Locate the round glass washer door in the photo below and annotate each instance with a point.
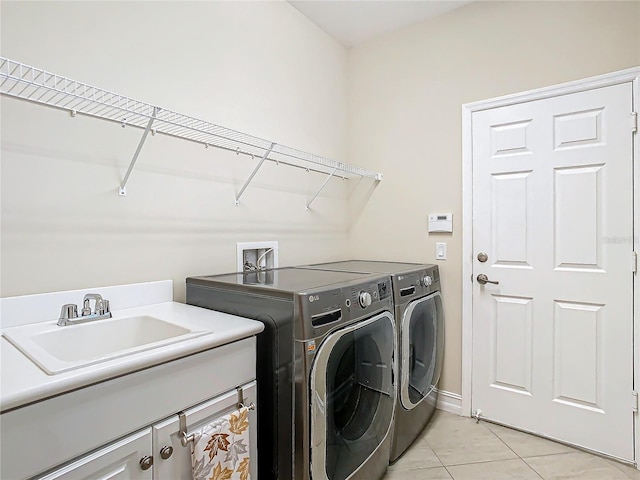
(422, 343)
(352, 396)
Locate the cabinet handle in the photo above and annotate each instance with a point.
(166, 452)
(146, 462)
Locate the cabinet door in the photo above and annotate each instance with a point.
(166, 435)
(118, 461)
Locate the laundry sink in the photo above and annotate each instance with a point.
(57, 349)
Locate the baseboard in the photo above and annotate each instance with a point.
(449, 402)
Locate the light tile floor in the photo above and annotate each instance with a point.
(458, 448)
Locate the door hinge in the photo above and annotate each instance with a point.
(634, 400)
(634, 122)
(634, 262)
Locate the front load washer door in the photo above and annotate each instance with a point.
(352, 396)
(422, 342)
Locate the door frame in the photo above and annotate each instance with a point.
(615, 78)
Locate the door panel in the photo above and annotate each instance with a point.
(578, 217)
(577, 355)
(510, 202)
(552, 207)
(512, 344)
(119, 461)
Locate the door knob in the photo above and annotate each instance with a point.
(483, 279)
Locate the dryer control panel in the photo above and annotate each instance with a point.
(326, 309)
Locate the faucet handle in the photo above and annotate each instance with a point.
(102, 306)
(68, 312)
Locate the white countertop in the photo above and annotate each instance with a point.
(23, 382)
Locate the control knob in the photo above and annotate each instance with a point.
(364, 298)
(427, 281)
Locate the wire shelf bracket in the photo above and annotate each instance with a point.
(324, 184)
(122, 191)
(253, 174)
(22, 81)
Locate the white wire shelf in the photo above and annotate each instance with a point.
(45, 88)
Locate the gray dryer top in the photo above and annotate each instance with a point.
(285, 281)
(372, 266)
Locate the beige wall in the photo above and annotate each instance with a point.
(258, 67)
(405, 95)
(392, 104)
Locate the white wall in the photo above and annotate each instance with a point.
(406, 89)
(258, 67)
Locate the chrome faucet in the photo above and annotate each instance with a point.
(101, 310)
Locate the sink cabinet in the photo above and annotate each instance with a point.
(103, 430)
(127, 458)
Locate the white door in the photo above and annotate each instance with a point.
(552, 211)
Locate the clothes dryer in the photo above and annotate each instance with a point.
(325, 372)
(420, 329)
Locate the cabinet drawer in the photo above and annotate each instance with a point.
(166, 434)
(118, 461)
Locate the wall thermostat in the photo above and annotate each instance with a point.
(440, 223)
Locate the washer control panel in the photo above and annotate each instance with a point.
(367, 294)
(416, 284)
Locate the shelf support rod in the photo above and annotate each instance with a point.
(253, 174)
(324, 184)
(123, 186)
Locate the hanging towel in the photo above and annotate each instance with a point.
(221, 449)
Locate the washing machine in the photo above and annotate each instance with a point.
(420, 328)
(325, 367)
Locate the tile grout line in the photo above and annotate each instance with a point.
(436, 455)
(515, 453)
(628, 475)
(480, 462)
(611, 463)
(448, 472)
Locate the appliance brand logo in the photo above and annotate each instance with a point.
(314, 298)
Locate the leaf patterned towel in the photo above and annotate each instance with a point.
(221, 449)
